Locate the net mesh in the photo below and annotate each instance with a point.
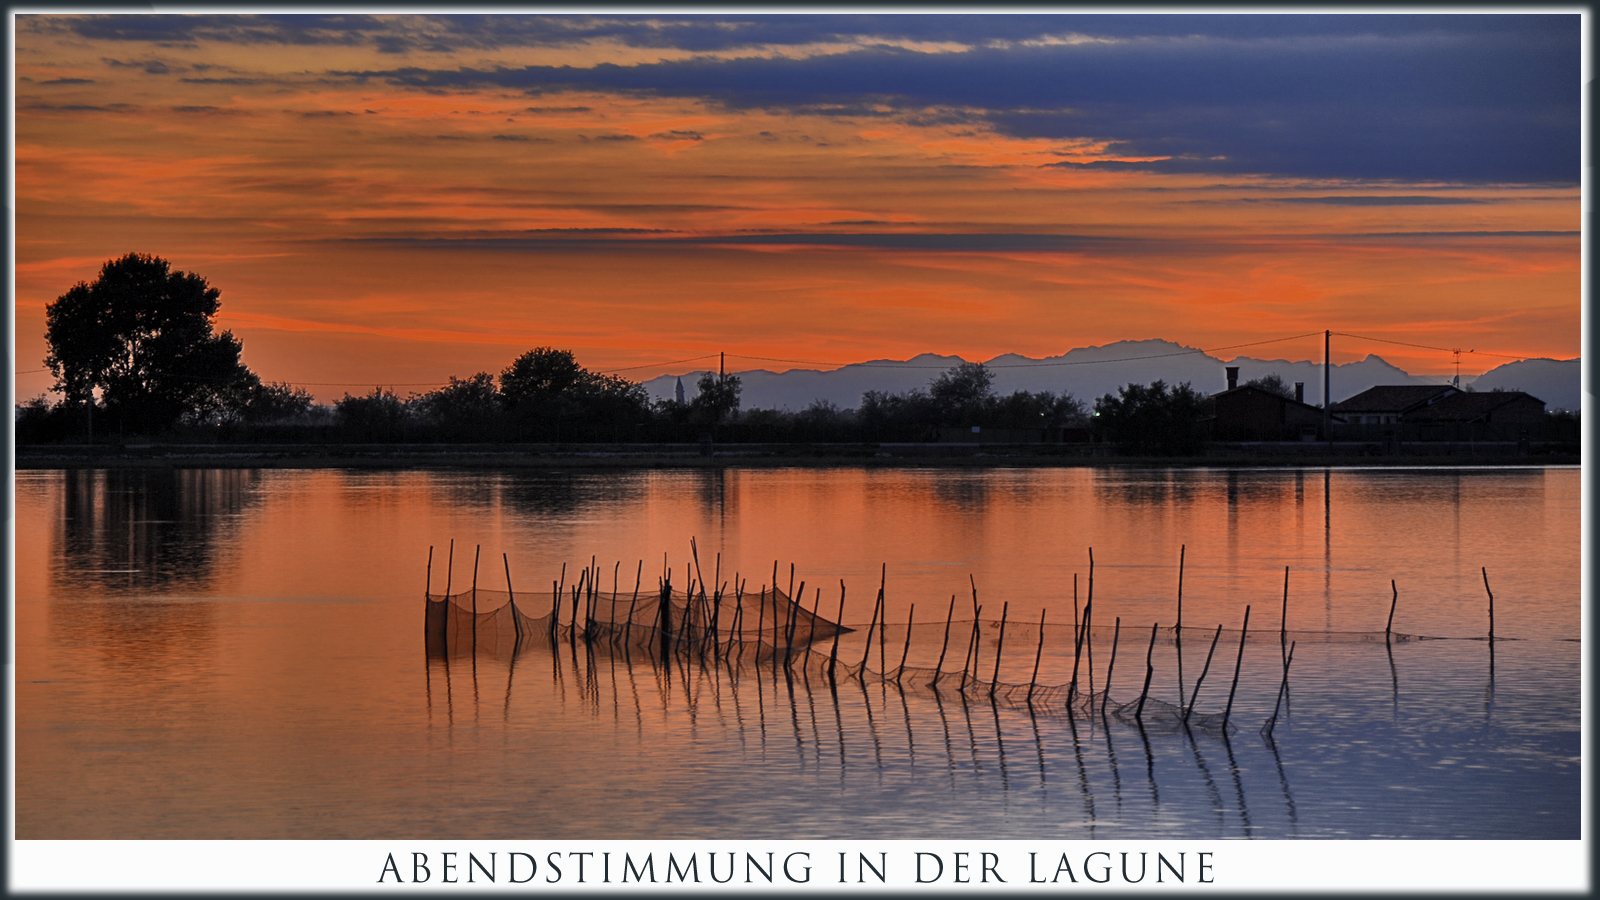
(768, 628)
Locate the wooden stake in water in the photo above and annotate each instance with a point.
(450, 568)
(427, 595)
(906, 650)
(475, 554)
(627, 630)
(867, 656)
(1393, 602)
(577, 594)
(1088, 628)
(972, 646)
(1111, 666)
(1077, 654)
(999, 648)
(516, 620)
(1283, 621)
(872, 626)
(791, 613)
(816, 609)
(1038, 655)
(761, 624)
(794, 625)
(1244, 633)
(938, 667)
(1182, 550)
(1195, 695)
(1491, 603)
(555, 604)
(1074, 612)
(1282, 689)
(838, 627)
(1177, 629)
(1149, 672)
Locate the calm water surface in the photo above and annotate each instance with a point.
(240, 654)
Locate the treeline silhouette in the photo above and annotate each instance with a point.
(546, 396)
(136, 355)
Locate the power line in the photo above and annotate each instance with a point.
(1032, 365)
(1426, 347)
(671, 362)
(892, 365)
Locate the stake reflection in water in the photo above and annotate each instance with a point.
(703, 647)
(707, 645)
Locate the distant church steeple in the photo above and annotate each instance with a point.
(680, 390)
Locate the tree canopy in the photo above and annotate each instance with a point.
(1272, 384)
(718, 397)
(1152, 420)
(546, 384)
(141, 335)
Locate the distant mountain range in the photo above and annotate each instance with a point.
(1090, 372)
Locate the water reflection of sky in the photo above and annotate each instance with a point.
(218, 692)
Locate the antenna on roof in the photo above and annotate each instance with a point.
(1458, 351)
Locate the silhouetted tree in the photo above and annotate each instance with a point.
(539, 377)
(1044, 409)
(38, 421)
(465, 409)
(1272, 384)
(254, 402)
(961, 393)
(1152, 420)
(718, 397)
(545, 387)
(141, 334)
(379, 416)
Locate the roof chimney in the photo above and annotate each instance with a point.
(1233, 377)
(1299, 392)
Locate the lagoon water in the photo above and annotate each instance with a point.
(240, 654)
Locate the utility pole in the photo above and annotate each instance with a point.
(722, 366)
(1327, 395)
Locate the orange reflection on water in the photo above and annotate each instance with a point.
(240, 654)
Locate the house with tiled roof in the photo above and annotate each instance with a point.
(1387, 404)
(1250, 413)
(1487, 407)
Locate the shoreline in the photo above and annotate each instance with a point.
(690, 456)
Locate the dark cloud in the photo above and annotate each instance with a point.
(1464, 234)
(81, 107)
(68, 81)
(1361, 98)
(510, 137)
(597, 231)
(1373, 201)
(957, 242)
(150, 66)
(1451, 98)
(732, 31)
(646, 238)
(238, 81)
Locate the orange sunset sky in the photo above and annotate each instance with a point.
(398, 199)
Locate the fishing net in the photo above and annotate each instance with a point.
(747, 626)
(767, 628)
